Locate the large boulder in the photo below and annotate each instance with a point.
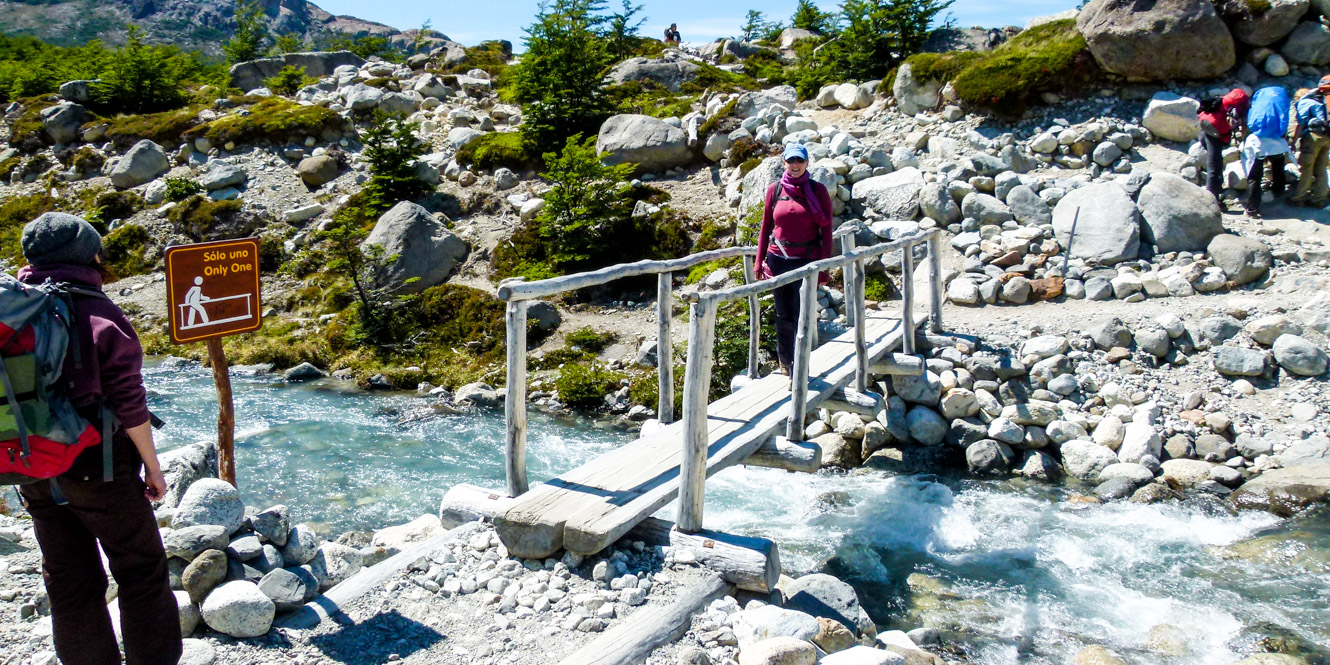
(1108, 226)
(1308, 44)
(669, 74)
(790, 36)
(318, 170)
(250, 75)
(334, 564)
(1271, 24)
(1172, 117)
(1085, 459)
(852, 97)
(1300, 356)
(426, 250)
(825, 596)
(238, 609)
(894, 196)
(1167, 39)
(1243, 259)
(289, 589)
(914, 95)
(210, 502)
(142, 164)
(752, 103)
(62, 121)
(768, 621)
(1286, 491)
(757, 181)
(643, 140)
(1177, 215)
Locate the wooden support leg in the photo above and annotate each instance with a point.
(935, 282)
(860, 336)
(754, 318)
(697, 381)
(226, 412)
(515, 405)
(907, 298)
(803, 349)
(664, 347)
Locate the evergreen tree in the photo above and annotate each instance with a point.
(251, 33)
(622, 32)
(808, 17)
(140, 78)
(288, 43)
(560, 80)
(877, 35)
(754, 26)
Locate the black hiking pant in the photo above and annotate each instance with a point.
(1256, 177)
(1214, 164)
(787, 307)
(118, 516)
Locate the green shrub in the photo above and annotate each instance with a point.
(453, 315)
(715, 78)
(649, 98)
(200, 217)
(124, 250)
(117, 205)
(1052, 56)
(366, 46)
(591, 340)
(274, 120)
(715, 235)
(585, 384)
(166, 128)
(86, 161)
(745, 149)
(765, 65)
(15, 213)
(392, 146)
(714, 122)
(29, 66)
(875, 35)
(141, 79)
(179, 189)
(877, 286)
(288, 81)
(496, 149)
(731, 350)
(8, 166)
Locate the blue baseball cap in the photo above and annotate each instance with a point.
(795, 150)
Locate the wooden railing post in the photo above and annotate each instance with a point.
(935, 281)
(856, 311)
(697, 381)
(515, 405)
(803, 349)
(907, 297)
(664, 347)
(754, 317)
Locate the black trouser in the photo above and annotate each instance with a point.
(787, 307)
(1214, 164)
(118, 516)
(1257, 174)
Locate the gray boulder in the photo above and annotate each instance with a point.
(79, 92)
(1169, 39)
(989, 458)
(62, 121)
(142, 164)
(825, 596)
(426, 251)
(1108, 227)
(1243, 259)
(1027, 207)
(938, 204)
(303, 372)
(318, 170)
(1172, 117)
(894, 195)
(1108, 333)
(458, 137)
(289, 589)
(926, 426)
(302, 544)
(238, 609)
(250, 75)
(544, 316)
(752, 103)
(273, 523)
(1273, 23)
(669, 74)
(1308, 44)
(790, 36)
(1086, 459)
(222, 175)
(189, 542)
(184, 466)
(648, 142)
(914, 95)
(361, 97)
(925, 389)
(1300, 356)
(480, 394)
(1177, 215)
(1236, 361)
(1286, 491)
(211, 501)
(985, 208)
(335, 563)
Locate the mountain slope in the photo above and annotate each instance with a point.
(192, 24)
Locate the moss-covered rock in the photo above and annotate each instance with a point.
(495, 149)
(274, 120)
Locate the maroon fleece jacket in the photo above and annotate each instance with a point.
(790, 220)
(112, 371)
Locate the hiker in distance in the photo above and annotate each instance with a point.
(100, 499)
(1267, 120)
(672, 34)
(1220, 117)
(1311, 134)
(796, 231)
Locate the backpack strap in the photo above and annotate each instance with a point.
(17, 411)
(771, 193)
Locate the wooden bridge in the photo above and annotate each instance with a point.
(586, 509)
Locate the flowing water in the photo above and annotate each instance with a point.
(1011, 572)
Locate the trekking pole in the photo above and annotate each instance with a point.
(1071, 238)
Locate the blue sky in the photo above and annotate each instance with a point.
(472, 21)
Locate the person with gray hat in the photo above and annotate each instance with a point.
(796, 231)
(91, 507)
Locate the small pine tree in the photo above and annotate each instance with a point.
(392, 147)
(140, 78)
(586, 200)
(287, 82)
(561, 78)
(251, 33)
(288, 43)
(754, 26)
(623, 29)
(421, 39)
(808, 17)
(877, 35)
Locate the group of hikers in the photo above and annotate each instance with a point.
(1259, 125)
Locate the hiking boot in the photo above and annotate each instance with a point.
(783, 370)
(1254, 214)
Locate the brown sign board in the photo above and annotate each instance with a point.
(212, 289)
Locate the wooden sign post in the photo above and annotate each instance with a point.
(212, 290)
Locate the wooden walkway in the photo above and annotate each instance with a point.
(587, 509)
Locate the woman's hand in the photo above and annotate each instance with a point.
(156, 483)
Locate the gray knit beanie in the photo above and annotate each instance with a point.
(57, 237)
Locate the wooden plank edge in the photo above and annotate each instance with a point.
(778, 452)
(642, 633)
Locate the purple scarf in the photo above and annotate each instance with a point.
(802, 188)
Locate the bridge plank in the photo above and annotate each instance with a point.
(590, 507)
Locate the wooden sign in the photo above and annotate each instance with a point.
(213, 289)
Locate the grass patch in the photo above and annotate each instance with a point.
(116, 205)
(941, 66)
(715, 235)
(275, 120)
(166, 128)
(8, 166)
(714, 78)
(26, 132)
(15, 212)
(700, 271)
(495, 149)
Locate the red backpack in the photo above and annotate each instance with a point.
(41, 433)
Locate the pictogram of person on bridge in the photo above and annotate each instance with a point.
(194, 299)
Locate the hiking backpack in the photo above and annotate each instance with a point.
(41, 433)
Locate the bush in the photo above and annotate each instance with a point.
(288, 81)
(731, 348)
(561, 78)
(179, 189)
(451, 315)
(585, 384)
(649, 98)
(116, 205)
(166, 128)
(591, 340)
(29, 66)
(141, 78)
(275, 120)
(203, 219)
(1052, 56)
(15, 213)
(366, 46)
(392, 147)
(124, 250)
(495, 149)
(877, 286)
(878, 34)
